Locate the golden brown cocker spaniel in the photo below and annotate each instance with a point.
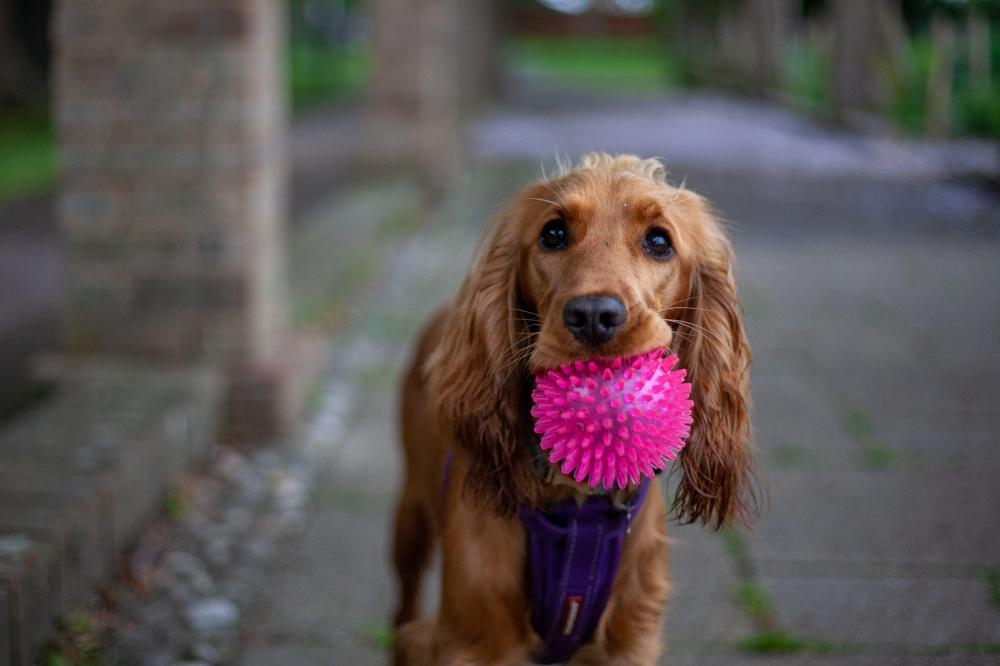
(604, 259)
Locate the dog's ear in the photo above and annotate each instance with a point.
(716, 485)
(477, 374)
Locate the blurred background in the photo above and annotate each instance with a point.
(222, 223)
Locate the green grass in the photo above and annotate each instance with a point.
(754, 599)
(28, 153)
(993, 582)
(789, 456)
(735, 545)
(318, 73)
(174, 505)
(379, 635)
(878, 456)
(773, 642)
(779, 642)
(857, 423)
(875, 454)
(597, 64)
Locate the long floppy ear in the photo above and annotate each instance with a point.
(716, 485)
(477, 374)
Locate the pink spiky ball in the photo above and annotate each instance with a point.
(612, 421)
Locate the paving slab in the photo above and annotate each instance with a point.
(890, 613)
(702, 609)
(881, 516)
(796, 426)
(334, 592)
(301, 655)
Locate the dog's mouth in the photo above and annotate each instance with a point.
(598, 357)
(549, 354)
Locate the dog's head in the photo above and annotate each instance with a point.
(606, 259)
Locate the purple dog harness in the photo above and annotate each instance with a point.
(573, 556)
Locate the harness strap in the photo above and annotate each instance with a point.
(573, 556)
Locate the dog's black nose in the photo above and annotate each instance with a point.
(594, 319)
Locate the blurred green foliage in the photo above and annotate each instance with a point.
(975, 109)
(321, 72)
(327, 60)
(598, 64)
(807, 75)
(28, 157)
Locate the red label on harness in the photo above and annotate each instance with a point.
(571, 613)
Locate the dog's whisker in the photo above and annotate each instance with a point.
(687, 298)
(700, 330)
(516, 359)
(696, 327)
(512, 352)
(527, 312)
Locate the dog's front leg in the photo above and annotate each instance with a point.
(483, 619)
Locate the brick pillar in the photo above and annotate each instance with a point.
(417, 86)
(171, 119)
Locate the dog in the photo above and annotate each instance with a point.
(603, 259)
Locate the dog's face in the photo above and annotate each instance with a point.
(606, 261)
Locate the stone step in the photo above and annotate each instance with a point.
(81, 475)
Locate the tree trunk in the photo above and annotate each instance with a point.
(751, 37)
(771, 20)
(939, 80)
(481, 52)
(855, 45)
(417, 86)
(895, 43)
(979, 50)
(693, 30)
(21, 82)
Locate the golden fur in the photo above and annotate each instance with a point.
(468, 390)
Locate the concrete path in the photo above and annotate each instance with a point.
(712, 131)
(876, 336)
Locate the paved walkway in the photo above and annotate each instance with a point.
(876, 335)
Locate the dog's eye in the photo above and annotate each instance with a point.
(657, 244)
(554, 235)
